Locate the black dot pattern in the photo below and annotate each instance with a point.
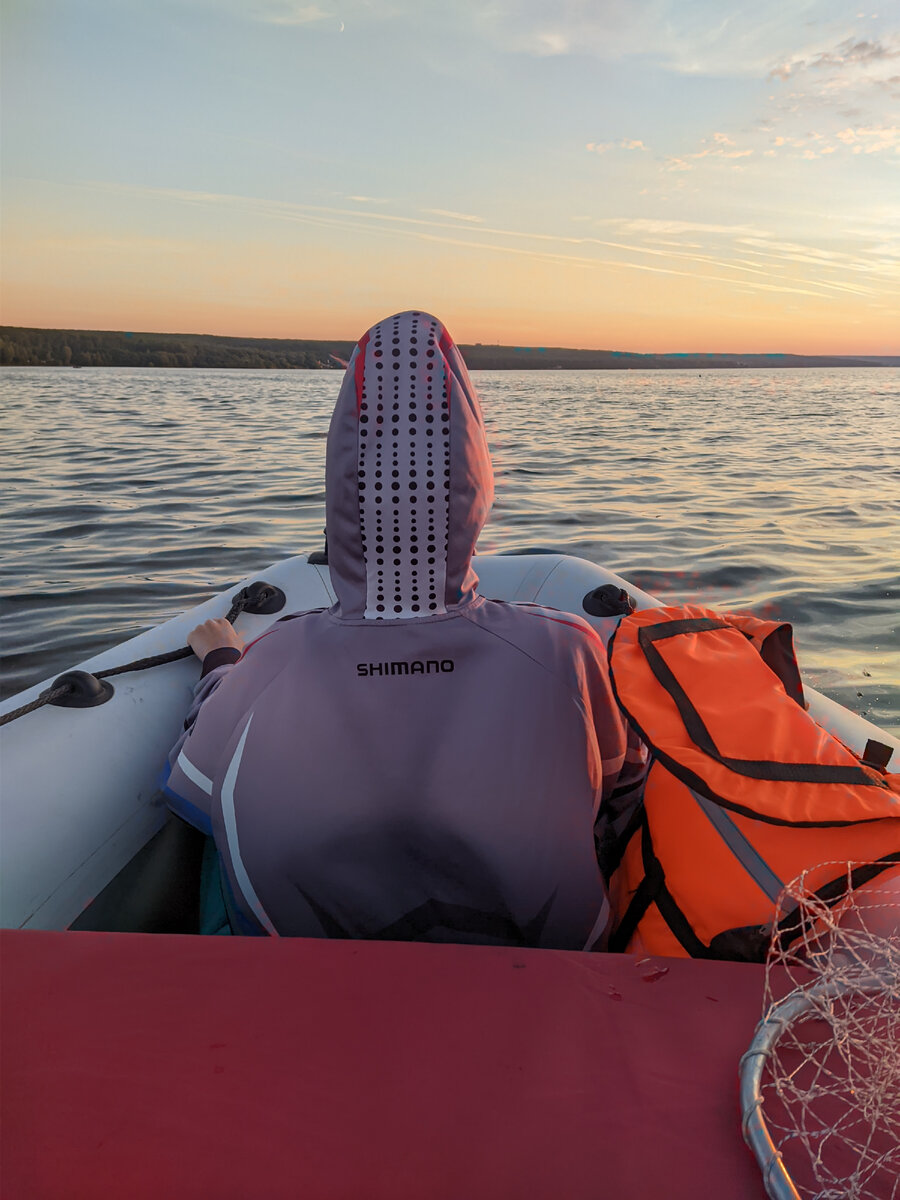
(404, 468)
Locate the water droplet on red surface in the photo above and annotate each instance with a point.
(649, 970)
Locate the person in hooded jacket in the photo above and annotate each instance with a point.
(417, 762)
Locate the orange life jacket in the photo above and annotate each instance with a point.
(745, 790)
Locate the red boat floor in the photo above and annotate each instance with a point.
(147, 1066)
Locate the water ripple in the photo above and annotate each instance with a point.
(132, 494)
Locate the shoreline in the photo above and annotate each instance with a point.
(22, 346)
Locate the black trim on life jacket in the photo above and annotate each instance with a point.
(747, 943)
(749, 768)
(744, 943)
(777, 652)
(646, 891)
(700, 785)
(612, 847)
(652, 890)
(876, 755)
(790, 926)
(665, 901)
(750, 943)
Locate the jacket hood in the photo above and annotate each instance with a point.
(408, 475)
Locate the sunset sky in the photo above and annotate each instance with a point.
(648, 175)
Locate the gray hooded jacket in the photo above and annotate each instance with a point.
(417, 762)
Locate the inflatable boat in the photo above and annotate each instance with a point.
(236, 1067)
(80, 784)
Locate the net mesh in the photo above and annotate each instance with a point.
(829, 1090)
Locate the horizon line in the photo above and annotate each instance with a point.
(471, 345)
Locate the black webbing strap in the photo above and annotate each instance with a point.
(877, 755)
(790, 927)
(748, 944)
(665, 902)
(652, 890)
(777, 652)
(680, 925)
(645, 893)
(614, 848)
(775, 772)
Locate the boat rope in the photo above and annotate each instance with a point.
(258, 598)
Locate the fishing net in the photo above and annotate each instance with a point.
(820, 1084)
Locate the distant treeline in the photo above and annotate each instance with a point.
(91, 348)
(524, 358)
(94, 348)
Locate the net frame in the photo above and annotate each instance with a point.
(832, 999)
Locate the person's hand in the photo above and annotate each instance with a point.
(212, 635)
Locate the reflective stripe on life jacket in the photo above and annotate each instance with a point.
(745, 789)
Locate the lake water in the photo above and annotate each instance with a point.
(131, 495)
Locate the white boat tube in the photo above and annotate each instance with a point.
(78, 788)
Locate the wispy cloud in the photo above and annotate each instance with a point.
(723, 38)
(562, 249)
(664, 225)
(861, 140)
(454, 216)
(849, 53)
(871, 141)
(712, 37)
(719, 145)
(839, 265)
(622, 144)
(870, 264)
(805, 146)
(832, 83)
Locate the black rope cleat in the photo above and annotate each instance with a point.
(608, 601)
(260, 599)
(83, 690)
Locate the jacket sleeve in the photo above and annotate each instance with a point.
(626, 794)
(625, 762)
(622, 753)
(621, 800)
(187, 781)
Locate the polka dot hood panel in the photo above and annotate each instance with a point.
(409, 481)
